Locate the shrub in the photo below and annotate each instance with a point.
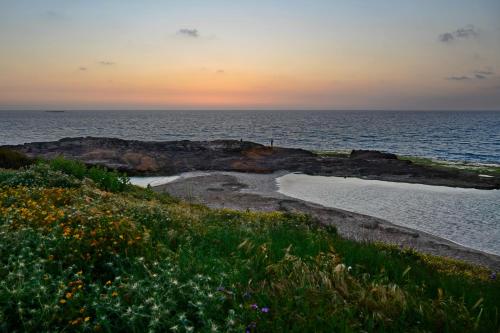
(70, 167)
(38, 175)
(112, 181)
(10, 159)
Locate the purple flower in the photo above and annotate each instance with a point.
(220, 289)
(493, 276)
(265, 309)
(249, 327)
(254, 306)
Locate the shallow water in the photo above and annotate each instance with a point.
(152, 181)
(466, 216)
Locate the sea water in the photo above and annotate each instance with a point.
(457, 136)
(469, 217)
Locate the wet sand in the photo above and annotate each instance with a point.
(242, 191)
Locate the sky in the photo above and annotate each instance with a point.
(260, 54)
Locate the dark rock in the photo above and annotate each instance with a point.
(372, 154)
(173, 157)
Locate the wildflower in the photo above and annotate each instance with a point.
(339, 268)
(249, 327)
(114, 294)
(87, 319)
(254, 306)
(62, 301)
(493, 276)
(265, 309)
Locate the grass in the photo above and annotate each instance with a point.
(474, 168)
(481, 169)
(77, 257)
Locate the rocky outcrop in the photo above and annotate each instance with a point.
(371, 155)
(172, 157)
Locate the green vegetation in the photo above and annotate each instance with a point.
(478, 169)
(74, 257)
(104, 179)
(10, 159)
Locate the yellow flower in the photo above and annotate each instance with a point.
(62, 301)
(87, 318)
(114, 294)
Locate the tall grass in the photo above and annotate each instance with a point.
(107, 180)
(77, 258)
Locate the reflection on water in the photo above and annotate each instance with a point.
(467, 216)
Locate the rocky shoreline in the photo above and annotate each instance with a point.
(259, 193)
(174, 157)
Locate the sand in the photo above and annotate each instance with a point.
(259, 192)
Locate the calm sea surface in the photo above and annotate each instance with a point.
(461, 136)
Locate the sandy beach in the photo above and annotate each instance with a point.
(259, 192)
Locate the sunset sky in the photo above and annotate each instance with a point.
(268, 54)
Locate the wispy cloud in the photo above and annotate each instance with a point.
(486, 73)
(106, 63)
(192, 33)
(462, 33)
(83, 69)
(458, 78)
(220, 71)
(477, 74)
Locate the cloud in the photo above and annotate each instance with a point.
(192, 33)
(446, 37)
(106, 63)
(462, 33)
(458, 78)
(83, 69)
(477, 74)
(220, 71)
(485, 73)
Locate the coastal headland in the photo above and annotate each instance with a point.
(174, 157)
(254, 166)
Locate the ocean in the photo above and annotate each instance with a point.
(456, 136)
